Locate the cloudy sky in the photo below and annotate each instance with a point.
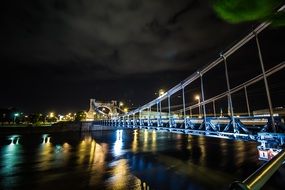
(56, 54)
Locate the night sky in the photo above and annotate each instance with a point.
(56, 54)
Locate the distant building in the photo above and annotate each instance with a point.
(153, 114)
(278, 111)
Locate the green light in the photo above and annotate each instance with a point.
(16, 114)
(235, 11)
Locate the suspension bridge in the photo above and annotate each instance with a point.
(233, 125)
(267, 128)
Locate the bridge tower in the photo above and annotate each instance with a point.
(103, 110)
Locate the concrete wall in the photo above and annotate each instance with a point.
(48, 129)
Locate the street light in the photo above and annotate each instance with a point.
(121, 104)
(51, 114)
(125, 110)
(161, 92)
(15, 115)
(197, 97)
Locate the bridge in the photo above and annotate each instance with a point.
(175, 116)
(103, 110)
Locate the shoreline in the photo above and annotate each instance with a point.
(83, 126)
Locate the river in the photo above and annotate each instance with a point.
(126, 159)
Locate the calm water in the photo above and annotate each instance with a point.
(126, 159)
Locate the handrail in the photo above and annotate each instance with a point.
(256, 180)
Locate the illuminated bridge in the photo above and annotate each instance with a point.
(171, 111)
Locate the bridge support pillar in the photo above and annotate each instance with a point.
(128, 119)
(148, 120)
(184, 112)
(247, 102)
(140, 117)
(230, 103)
(203, 100)
(169, 110)
(265, 83)
(134, 120)
(214, 108)
(157, 114)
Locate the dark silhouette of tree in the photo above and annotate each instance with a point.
(80, 115)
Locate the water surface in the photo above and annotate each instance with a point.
(126, 159)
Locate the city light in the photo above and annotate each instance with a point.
(51, 114)
(197, 97)
(125, 110)
(118, 143)
(15, 115)
(121, 104)
(61, 117)
(161, 92)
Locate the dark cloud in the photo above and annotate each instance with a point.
(126, 36)
(102, 45)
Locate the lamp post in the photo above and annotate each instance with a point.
(121, 104)
(51, 116)
(15, 115)
(197, 97)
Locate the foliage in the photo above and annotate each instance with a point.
(35, 118)
(236, 11)
(80, 115)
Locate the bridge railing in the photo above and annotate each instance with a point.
(257, 180)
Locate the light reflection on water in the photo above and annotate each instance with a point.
(124, 159)
(118, 143)
(11, 156)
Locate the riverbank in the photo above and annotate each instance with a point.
(83, 126)
(36, 129)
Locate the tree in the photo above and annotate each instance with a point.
(80, 115)
(237, 11)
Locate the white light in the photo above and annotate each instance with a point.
(161, 92)
(118, 143)
(197, 97)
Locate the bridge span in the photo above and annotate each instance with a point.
(178, 116)
(268, 129)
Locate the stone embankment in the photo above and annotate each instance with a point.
(56, 127)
